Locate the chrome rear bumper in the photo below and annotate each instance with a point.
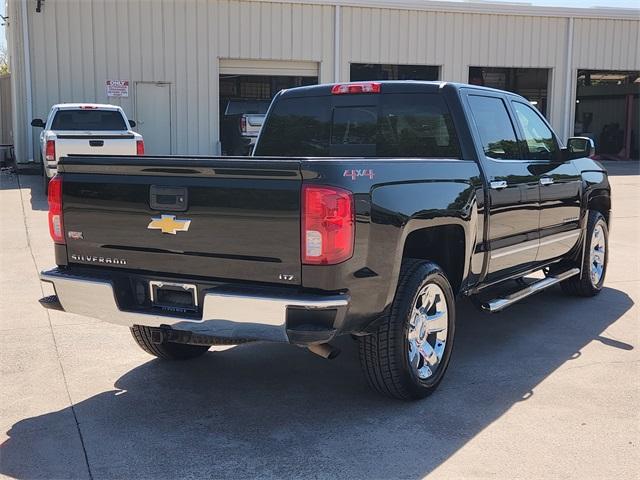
(228, 314)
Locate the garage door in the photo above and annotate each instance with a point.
(246, 90)
(268, 67)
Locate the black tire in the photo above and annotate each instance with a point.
(384, 355)
(165, 350)
(584, 286)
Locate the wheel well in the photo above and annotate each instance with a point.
(443, 245)
(602, 204)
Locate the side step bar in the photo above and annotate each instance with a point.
(498, 304)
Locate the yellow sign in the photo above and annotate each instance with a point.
(169, 224)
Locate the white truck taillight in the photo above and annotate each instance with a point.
(50, 151)
(139, 147)
(56, 228)
(328, 225)
(243, 124)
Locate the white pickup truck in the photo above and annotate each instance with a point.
(85, 128)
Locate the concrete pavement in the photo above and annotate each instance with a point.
(548, 389)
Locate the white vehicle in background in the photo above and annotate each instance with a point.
(85, 128)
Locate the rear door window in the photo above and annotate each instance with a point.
(85, 120)
(388, 125)
(494, 125)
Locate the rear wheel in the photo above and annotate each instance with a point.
(165, 350)
(594, 263)
(407, 356)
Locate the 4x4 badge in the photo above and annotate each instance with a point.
(169, 224)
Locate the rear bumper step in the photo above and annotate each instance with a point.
(225, 314)
(501, 303)
(51, 303)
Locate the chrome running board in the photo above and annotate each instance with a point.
(501, 303)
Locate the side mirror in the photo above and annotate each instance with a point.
(579, 147)
(132, 123)
(37, 122)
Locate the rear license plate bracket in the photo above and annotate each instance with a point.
(174, 297)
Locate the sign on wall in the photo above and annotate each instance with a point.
(117, 88)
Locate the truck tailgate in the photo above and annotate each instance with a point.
(95, 143)
(239, 219)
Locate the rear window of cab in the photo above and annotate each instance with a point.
(85, 120)
(406, 125)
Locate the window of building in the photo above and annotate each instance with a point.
(377, 71)
(494, 125)
(531, 83)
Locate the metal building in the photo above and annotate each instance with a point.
(177, 62)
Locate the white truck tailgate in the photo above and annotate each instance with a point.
(94, 143)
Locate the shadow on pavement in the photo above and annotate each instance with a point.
(268, 410)
(32, 181)
(622, 168)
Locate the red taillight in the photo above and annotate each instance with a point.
(56, 228)
(328, 225)
(243, 124)
(50, 152)
(139, 147)
(362, 87)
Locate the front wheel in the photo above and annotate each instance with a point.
(408, 354)
(594, 263)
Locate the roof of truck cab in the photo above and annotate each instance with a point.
(75, 106)
(389, 86)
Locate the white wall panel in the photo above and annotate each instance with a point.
(78, 44)
(456, 41)
(606, 44)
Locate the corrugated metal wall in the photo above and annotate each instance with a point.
(455, 41)
(78, 44)
(603, 44)
(6, 111)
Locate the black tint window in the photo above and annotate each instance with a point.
(417, 126)
(538, 138)
(496, 131)
(296, 127)
(354, 125)
(390, 125)
(88, 120)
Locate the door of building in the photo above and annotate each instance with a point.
(153, 116)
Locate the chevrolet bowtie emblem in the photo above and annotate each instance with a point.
(169, 224)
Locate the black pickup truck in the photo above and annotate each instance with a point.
(366, 209)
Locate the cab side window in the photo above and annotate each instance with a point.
(539, 141)
(494, 125)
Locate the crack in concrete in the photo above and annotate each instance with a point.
(53, 336)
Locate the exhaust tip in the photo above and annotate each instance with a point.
(325, 350)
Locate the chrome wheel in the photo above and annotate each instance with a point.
(597, 254)
(427, 333)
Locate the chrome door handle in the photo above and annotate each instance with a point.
(546, 181)
(498, 184)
